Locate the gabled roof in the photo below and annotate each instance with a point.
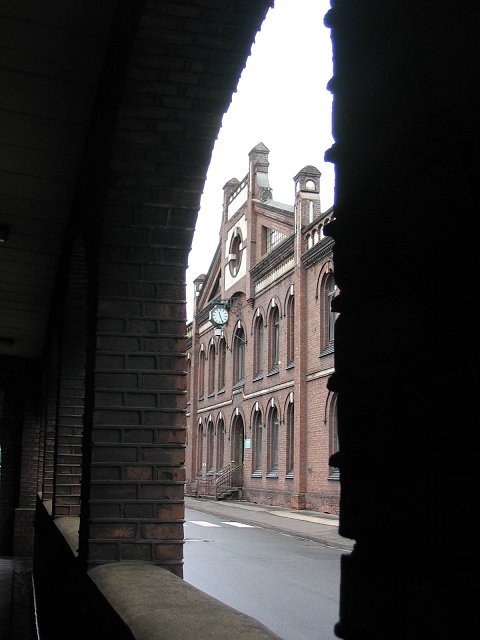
(260, 147)
(210, 281)
(278, 206)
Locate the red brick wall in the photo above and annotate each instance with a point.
(321, 493)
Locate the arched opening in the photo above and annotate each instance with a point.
(201, 374)
(259, 354)
(222, 363)
(290, 316)
(211, 369)
(257, 428)
(239, 355)
(273, 426)
(238, 440)
(220, 443)
(210, 447)
(200, 462)
(273, 339)
(290, 443)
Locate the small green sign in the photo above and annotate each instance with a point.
(248, 443)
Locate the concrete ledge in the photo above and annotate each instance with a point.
(68, 527)
(157, 605)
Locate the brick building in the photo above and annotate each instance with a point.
(108, 116)
(258, 400)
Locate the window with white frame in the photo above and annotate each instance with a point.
(273, 237)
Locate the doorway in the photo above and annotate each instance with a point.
(238, 440)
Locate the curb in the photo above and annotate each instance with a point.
(327, 537)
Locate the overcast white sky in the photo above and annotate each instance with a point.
(282, 101)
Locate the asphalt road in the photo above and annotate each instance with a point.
(289, 584)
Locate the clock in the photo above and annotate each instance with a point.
(219, 314)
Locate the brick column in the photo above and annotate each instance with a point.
(136, 475)
(25, 507)
(50, 422)
(71, 393)
(300, 399)
(193, 436)
(152, 134)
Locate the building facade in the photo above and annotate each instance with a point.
(260, 349)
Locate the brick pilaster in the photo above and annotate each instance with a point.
(301, 352)
(71, 393)
(50, 423)
(138, 431)
(25, 508)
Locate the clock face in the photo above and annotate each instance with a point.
(219, 315)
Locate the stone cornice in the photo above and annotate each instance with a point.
(273, 259)
(319, 251)
(202, 316)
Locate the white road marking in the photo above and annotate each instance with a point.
(298, 516)
(194, 540)
(240, 524)
(203, 523)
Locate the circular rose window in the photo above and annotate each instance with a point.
(235, 254)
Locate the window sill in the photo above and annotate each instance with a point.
(330, 348)
(238, 385)
(289, 476)
(290, 365)
(256, 474)
(273, 372)
(201, 398)
(258, 377)
(222, 390)
(211, 395)
(334, 475)
(272, 474)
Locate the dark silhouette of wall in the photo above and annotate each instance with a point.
(406, 133)
(405, 124)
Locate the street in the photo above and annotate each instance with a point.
(289, 584)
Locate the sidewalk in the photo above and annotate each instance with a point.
(320, 527)
(16, 607)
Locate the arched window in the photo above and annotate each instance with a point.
(290, 438)
(238, 436)
(211, 369)
(327, 316)
(333, 444)
(199, 449)
(201, 374)
(258, 347)
(331, 314)
(238, 355)
(257, 428)
(290, 330)
(210, 446)
(235, 253)
(274, 339)
(222, 359)
(273, 427)
(220, 443)
(189, 379)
